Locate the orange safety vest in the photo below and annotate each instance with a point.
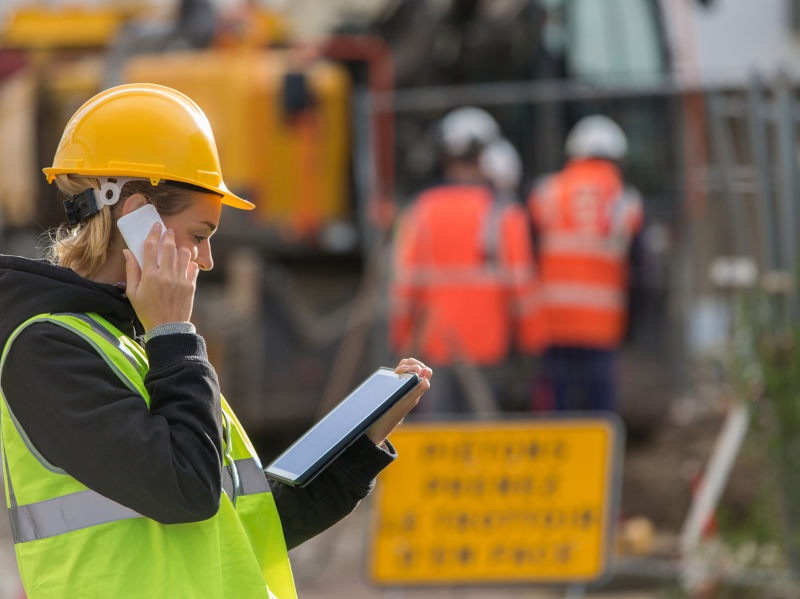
(585, 218)
(464, 284)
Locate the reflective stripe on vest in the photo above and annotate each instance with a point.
(584, 296)
(462, 276)
(252, 479)
(104, 332)
(614, 248)
(64, 514)
(88, 508)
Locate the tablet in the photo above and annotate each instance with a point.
(328, 438)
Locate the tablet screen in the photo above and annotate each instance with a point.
(340, 421)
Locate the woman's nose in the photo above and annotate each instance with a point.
(203, 257)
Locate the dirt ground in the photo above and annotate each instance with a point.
(653, 484)
(330, 565)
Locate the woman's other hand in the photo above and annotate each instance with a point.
(378, 432)
(161, 294)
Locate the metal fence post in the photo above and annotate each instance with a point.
(787, 165)
(722, 142)
(758, 143)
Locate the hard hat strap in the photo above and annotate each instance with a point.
(81, 207)
(111, 188)
(91, 201)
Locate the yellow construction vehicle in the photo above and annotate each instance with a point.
(281, 122)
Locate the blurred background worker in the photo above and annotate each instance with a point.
(464, 288)
(585, 218)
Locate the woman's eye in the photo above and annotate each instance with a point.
(200, 238)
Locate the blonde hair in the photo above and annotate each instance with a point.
(85, 246)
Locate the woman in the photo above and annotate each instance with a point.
(126, 473)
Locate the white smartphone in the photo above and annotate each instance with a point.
(136, 226)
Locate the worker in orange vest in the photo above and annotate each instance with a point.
(464, 288)
(585, 217)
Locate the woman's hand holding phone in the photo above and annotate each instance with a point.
(378, 432)
(165, 293)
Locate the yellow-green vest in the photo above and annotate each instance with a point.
(72, 542)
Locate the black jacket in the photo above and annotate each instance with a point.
(165, 462)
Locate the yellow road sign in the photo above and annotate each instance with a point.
(505, 502)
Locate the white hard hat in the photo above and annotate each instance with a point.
(501, 164)
(465, 131)
(596, 136)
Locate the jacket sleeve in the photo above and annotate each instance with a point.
(306, 512)
(164, 462)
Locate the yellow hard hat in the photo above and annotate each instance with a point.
(146, 131)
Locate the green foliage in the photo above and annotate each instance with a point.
(761, 523)
(776, 356)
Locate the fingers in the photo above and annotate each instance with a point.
(191, 273)
(410, 362)
(151, 248)
(422, 387)
(169, 252)
(387, 423)
(164, 289)
(174, 260)
(414, 365)
(183, 259)
(412, 399)
(132, 271)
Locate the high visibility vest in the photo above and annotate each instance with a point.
(585, 218)
(464, 284)
(71, 541)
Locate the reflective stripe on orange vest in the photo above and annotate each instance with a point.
(576, 244)
(464, 276)
(588, 296)
(585, 218)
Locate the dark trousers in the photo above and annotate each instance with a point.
(577, 378)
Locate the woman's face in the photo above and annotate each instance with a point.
(195, 225)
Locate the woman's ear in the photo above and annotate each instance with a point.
(132, 203)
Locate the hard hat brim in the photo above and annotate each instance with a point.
(228, 198)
